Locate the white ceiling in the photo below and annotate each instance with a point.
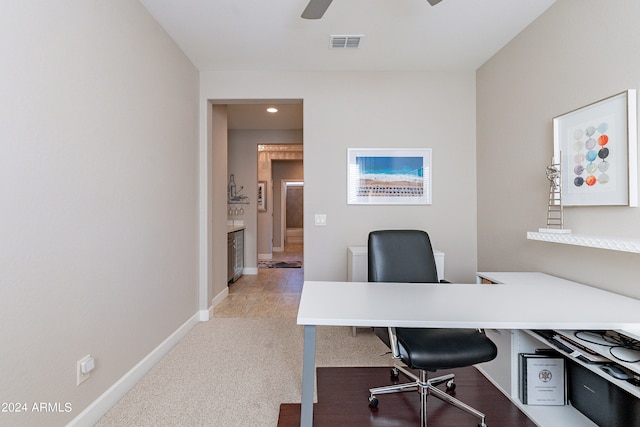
(407, 35)
(255, 116)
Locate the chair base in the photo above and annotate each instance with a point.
(426, 387)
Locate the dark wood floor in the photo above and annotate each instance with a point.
(343, 401)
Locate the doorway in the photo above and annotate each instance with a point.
(234, 129)
(292, 207)
(278, 164)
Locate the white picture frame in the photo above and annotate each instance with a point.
(385, 176)
(262, 196)
(597, 148)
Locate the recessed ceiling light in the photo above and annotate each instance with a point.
(272, 110)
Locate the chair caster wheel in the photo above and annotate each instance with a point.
(373, 402)
(451, 386)
(395, 373)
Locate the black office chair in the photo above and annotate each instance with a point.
(406, 256)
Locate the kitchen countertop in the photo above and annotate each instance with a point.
(234, 225)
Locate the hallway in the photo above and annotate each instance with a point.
(272, 293)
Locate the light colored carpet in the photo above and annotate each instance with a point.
(237, 372)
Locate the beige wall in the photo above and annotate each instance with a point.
(215, 194)
(409, 109)
(577, 52)
(98, 196)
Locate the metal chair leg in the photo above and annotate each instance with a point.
(436, 392)
(424, 392)
(425, 387)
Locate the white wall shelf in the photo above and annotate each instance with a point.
(614, 244)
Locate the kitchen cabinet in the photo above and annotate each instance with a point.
(235, 254)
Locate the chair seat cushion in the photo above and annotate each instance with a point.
(432, 349)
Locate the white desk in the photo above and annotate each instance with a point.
(522, 301)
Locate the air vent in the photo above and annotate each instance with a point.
(341, 42)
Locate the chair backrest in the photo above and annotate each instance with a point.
(401, 256)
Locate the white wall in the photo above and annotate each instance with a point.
(98, 197)
(375, 109)
(577, 52)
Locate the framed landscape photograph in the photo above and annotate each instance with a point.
(381, 176)
(596, 146)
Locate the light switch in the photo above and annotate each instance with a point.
(321, 220)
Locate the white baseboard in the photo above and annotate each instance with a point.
(218, 298)
(265, 256)
(295, 235)
(278, 249)
(250, 270)
(102, 404)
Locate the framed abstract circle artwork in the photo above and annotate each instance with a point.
(596, 146)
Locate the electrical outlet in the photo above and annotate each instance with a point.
(84, 368)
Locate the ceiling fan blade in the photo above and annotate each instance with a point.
(315, 9)
(434, 2)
